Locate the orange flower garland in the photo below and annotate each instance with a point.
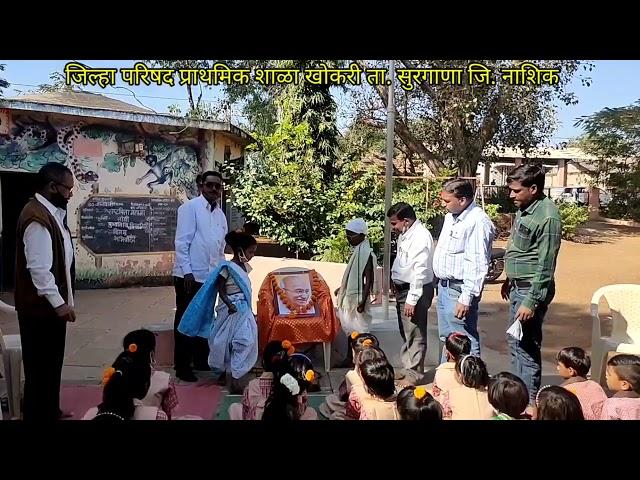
(293, 308)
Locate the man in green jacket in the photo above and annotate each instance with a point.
(530, 262)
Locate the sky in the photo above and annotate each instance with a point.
(615, 83)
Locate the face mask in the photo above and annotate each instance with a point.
(242, 257)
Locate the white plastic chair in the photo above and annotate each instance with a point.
(624, 303)
(11, 350)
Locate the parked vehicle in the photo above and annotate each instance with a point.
(579, 195)
(496, 265)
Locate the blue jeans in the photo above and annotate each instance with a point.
(448, 323)
(526, 359)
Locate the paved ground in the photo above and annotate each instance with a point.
(104, 316)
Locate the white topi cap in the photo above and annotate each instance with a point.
(357, 225)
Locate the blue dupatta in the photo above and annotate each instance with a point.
(198, 319)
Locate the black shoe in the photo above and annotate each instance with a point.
(202, 368)
(187, 376)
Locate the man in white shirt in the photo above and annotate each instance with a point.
(199, 243)
(461, 262)
(45, 276)
(412, 281)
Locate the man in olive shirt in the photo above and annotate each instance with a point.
(530, 265)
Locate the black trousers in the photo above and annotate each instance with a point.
(43, 341)
(187, 349)
(413, 330)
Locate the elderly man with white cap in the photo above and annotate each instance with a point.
(358, 283)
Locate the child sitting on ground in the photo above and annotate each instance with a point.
(469, 399)
(288, 397)
(162, 392)
(509, 396)
(456, 345)
(573, 365)
(415, 403)
(358, 392)
(258, 390)
(378, 379)
(335, 405)
(623, 377)
(125, 383)
(554, 402)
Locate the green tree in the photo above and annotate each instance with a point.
(289, 183)
(57, 83)
(198, 108)
(573, 217)
(453, 126)
(612, 135)
(307, 103)
(281, 186)
(257, 102)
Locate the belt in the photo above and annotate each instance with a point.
(521, 283)
(450, 282)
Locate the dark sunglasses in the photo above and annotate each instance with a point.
(216, 185)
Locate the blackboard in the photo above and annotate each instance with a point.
(113, 224)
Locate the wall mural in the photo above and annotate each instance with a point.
(85, 149)
(107, 159)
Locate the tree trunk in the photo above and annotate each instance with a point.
(190, 92)
(402, 130)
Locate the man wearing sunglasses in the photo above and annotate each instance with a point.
(199, 244)
(45, 276)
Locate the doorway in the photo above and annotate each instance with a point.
(16, 189)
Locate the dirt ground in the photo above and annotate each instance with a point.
(613, 256)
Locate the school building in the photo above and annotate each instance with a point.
(132, 170)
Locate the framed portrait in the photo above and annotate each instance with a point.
(294, 293)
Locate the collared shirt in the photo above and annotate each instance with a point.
(38, 251)
(533, 248)
(199, 239)
(412, 264)
(463, 251)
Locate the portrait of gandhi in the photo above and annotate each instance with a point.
(297, 288)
